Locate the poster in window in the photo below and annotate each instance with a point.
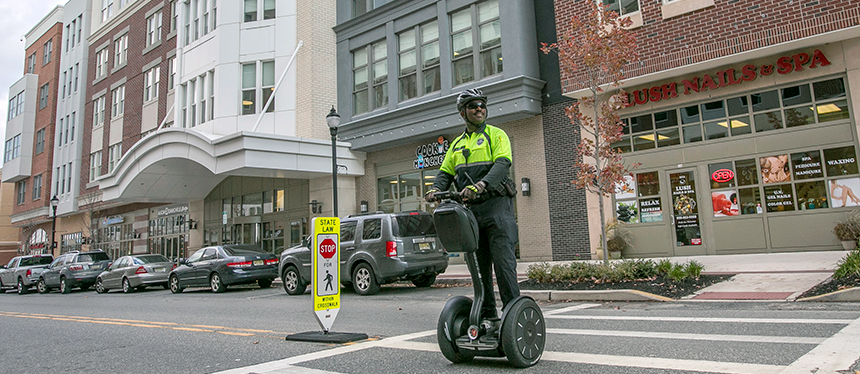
(840, 161)
(774, 169)
(806, 165)
(843, 192)
(627, 211)
(779, 198)
(685, 208)
(648, 184)
(625, 189)
(650, 210)
(725, 203)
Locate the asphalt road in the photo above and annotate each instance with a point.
(244, 329)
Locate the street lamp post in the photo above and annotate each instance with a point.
(54, 202)
(333, 120)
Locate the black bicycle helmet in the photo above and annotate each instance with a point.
(469, 96)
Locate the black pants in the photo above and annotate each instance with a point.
(496, 249)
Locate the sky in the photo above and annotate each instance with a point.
(16, 19)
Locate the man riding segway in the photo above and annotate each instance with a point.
(478, 163)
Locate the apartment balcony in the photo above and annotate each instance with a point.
(20, 129)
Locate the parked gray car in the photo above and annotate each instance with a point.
(135, 272)
(22, 272)
(73, 269)
(376, 248)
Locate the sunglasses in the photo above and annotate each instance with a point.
(478, 105)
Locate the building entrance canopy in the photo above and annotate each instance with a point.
(183, 164)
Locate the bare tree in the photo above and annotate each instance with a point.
(88, 204)
(595, 49)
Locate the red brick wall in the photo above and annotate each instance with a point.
(136, 60)
(727, 19)
(45, 117)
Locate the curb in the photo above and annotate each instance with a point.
(594, 295)
(849, 294)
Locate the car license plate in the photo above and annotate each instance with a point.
(424, 246)
(258, 262)
(160, 270)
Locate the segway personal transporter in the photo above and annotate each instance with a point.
(519, 335)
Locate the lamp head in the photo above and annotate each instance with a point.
(332, 119)
(55, 201)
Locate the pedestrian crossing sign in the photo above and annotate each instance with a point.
(326, 270)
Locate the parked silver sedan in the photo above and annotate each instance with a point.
(135, 272)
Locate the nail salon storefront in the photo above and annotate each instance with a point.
(752, 156)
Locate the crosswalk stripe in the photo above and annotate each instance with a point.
(706, 319)
(836, 353)
(569, 309)
(707, 337)
(631, 361)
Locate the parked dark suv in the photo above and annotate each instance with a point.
(376, 248)
(73, 269)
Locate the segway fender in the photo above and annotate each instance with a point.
(454, 307)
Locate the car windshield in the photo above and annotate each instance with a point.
(414, 225)
(243, 250)
(93, 257)
(149, 259)
(41, 260)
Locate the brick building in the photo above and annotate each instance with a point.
(743, 119)
(29, 134)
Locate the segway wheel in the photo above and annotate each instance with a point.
(453, 323)
(523, 333)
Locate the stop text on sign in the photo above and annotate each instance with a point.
(723, 175)
(327, 248)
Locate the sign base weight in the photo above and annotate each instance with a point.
(327, 337)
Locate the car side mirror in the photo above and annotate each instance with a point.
(182, 261)
(3, 267)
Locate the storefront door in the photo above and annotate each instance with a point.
(686, 220)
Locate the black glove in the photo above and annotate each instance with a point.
(472, 191)
(429, 196)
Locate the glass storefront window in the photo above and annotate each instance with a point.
(722, 175)
(806, 165)
(280, 200)
(750, 201)
(410, 186)
(386, 189)
(779, 198)
(811, 195)
(225, 206)
(252, 204)
(268, 203)
(648, 208)
(840, 161)
(746, 172)
(774, 169)
(757, 112)
(237, 206)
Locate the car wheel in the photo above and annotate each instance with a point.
(265, 283)
(126, 286)
(364, 280)
(174, 284)
(293, 281)
(22, 289)
(64, 287)
(42, 287)
(215, 283)
(424, 281)
(100, 287)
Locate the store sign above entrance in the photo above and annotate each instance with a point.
(112, 220)
(729, 77)
(430, 155)
(723, 175)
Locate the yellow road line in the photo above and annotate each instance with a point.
(148, 324)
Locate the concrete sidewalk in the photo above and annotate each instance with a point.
(770, 276)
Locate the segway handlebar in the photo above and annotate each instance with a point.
(448, 195)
